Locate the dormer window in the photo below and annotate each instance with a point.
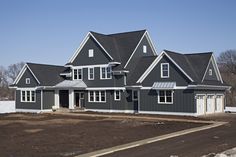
(90, 53)
(27, 81)
(144, 49)
(210, 72)
(164, 70)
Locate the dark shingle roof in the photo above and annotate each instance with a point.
(48, 75)
(193, 64)
(140, 68)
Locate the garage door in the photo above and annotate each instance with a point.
(210, 106)
(219, 103)
(200, 104)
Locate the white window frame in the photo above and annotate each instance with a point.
(27, 81)
(31, 95)
(172, 97)
(90, 52)
(115, 95)
(94, 96)
(144, 49)
(162, 64)
(210, 72)
(77, 69)
(90, 78)
(105, 78)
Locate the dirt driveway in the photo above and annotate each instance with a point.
(42, 135)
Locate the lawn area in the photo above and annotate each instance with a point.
(66, 135)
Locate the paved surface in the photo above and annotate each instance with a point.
(208, 142)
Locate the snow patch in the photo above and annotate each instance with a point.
(7, 106)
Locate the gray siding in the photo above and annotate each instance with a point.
(183, 101)
(100, 57)
(175, 75)
(28, 105)
(209, 77)
(27, 74)
(139, 53)
(48, 99)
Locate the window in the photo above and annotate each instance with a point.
(90, 73)
(117, 95)
(27, 81)
(144, 49)
(165, 97)
(97, 96)
(210, 72)
(28, 96)
(105, 72)
(78, 74)
(135, 95)
(90, 53)
(164, 70)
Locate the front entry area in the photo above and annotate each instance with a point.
(79, 100)
(64, 98)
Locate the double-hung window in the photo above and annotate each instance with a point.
(164, 70)
(78, 74)
(97, 96)
(165, 97)
(117, 95)
(28, 96)
(105, 72)
(90, 73)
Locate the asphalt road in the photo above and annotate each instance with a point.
(196, 144)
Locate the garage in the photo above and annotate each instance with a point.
(210, 106)
(200, 104)
(219, 103)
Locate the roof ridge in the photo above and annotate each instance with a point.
(143, 30)
(192, 53)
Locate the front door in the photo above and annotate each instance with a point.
(136, 100)
(79, 99)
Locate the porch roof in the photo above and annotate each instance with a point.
(71, 84)
(164, 85)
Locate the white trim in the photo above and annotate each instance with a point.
(210, 72)
(26, 96)
(73, 71)
(195, 86)
(151, 44)
(110, 111)
(46, 110)
(89, 74)
(168, 70)
(28, 110)
(106, 73)
(89, 66)
(41, 99)
(217, 69)
(144, 48)
(99, 94)
(168, 113)
(22, 72)
(27, 80)
(176, 87)
(172, 97)
(155, 62)
(29, 88)
(116, 95)
(91, 53)
(105, 88)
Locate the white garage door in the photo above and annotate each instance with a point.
(219, 103)
(210, 106)
(200, 104)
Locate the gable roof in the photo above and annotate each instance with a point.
(46, 75)
(120, 46)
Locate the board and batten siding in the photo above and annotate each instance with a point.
(28, 105)
(183, 101)
(22, 83)
(48, 99)
(213, 76)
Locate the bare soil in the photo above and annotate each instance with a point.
(31, 135)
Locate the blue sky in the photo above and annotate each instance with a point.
(49, 31)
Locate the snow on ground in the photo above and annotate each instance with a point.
(7, 106)
(230, 109)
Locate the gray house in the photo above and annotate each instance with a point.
(123, 73)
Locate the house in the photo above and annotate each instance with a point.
(122, 72)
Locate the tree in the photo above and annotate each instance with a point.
(13, 70)
(3, 77)
(227, 66)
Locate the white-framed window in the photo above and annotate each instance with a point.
(90, 52)
(78, 74)
(165, 97)
(90, 73)
(97, 96)
(164, 70)
(135, 95)
(210, 72)
(144, 49)
(27, 81)
(117, 95)
(28, 96)
(105, 72)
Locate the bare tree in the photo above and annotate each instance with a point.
(227, 66)
(13, 70)
(3, 77)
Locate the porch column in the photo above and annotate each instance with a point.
(56, 99)
(71, 99)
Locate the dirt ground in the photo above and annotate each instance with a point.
(31, 135)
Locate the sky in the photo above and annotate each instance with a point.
(49, 31)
